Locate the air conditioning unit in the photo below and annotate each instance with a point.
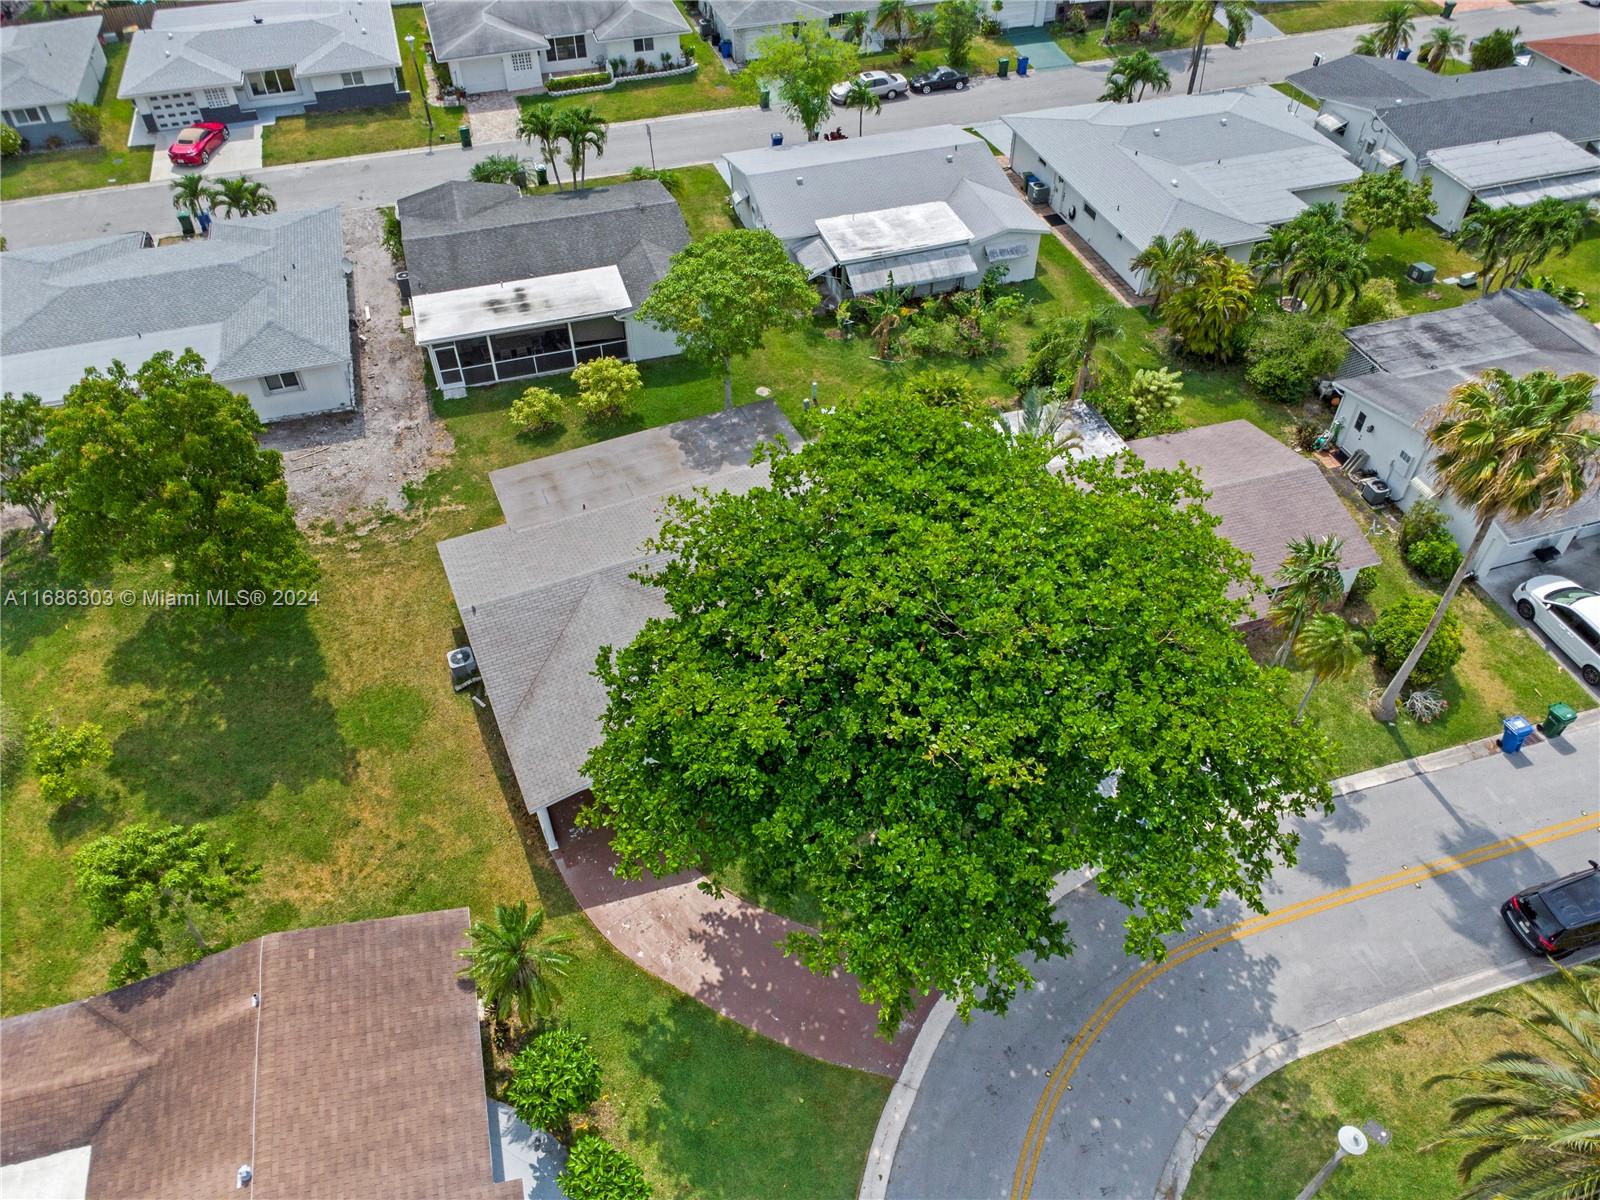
(1421, 272)
(463, 667)
(1039, 192)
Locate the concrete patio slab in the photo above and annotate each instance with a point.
(530, 1156)
(240, 153)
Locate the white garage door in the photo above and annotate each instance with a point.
(174, 110)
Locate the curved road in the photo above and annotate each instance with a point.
(1084, 1088)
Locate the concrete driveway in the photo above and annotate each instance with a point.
(241, 152)
(1579, 563)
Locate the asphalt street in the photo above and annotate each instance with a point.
(702, 137)
(1084, 1088)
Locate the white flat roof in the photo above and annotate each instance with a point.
(890, 231)
(1512, 160)
(60, 1176)
(519, 304)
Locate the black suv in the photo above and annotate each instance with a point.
(1559, 917)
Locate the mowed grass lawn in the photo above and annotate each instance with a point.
(1282, 1130)
(43, 172)
(364, 130)
(1304, 16)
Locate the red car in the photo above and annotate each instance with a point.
(196, 144)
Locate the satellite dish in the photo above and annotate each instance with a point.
(1352, 1140)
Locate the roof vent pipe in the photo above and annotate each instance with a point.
(1156, 132)
(799, 181)
(1174, 183)
(949, 158)
(244, 1176)
(1224, 120)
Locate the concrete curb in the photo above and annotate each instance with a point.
(1208, 1115)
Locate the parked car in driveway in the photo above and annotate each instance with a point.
(194, 146)
(886, 85)
(940, 79)
(1559, 917)
(1568, 615)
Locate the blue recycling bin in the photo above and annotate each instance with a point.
(1022, 64)
(726, 49)
(1402, 55)
(777, 139)
(1513, 732)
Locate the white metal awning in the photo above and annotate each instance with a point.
(1332, 123)
(519, 304)
(929, 266)
(815, 257)
(1388, 159)
(1519, 195)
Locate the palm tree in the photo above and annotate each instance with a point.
(1170, 265)
(1532, 1119)
(237, 195)
(583, 129)
(1096, 327)
(1331, 648)
(1207, 314)
(925, 29)
(1119, 88)
(1146, 70)
(1511, 449)
(1442, 42)
(1272, 257)
(495, 168)
(190, 192)
(542, 124)
(1044, 416)
(1328, 267)
(1196, 16)
(855, 26)
(893, 19)
(1367, 45)
(512, 964)
(1547, 226)
(885, 310)
(1395, 28)
(1309, 582)
(864, 100)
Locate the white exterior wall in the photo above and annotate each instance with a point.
(623, 48)
(1099, 231)
(371, 77)
(1541, 65)
(1387, 440)
(322, 389)
(1019, 270)
(646, 341)
(89, 86)
(1451, 196)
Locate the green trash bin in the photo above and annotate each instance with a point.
(1449, 8)
(1233, 40)
(1003, 67)
(464, 132)
(186, 222)
(1557, 719)
(542, 174)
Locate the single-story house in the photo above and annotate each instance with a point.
(513, 45)
(1265, 495)
(1399, 370)
(506, 286)
(540, 595)
(1228, 165)
(47, 65)
(1469, 133)
(1575, 55)
(262, 58)
(340, 1061)
(264, 300)
(929, 206)
(743, 23)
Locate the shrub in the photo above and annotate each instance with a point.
(1287, 352)
(1435, 558)
(1053, 354)
(555, 1076)
(930, 338)
(1399, 626)
(496, 168)
(665, 176)
(1366, 579)
(1423, 522)
(60, 757)
(568, 82)
(1378, 300)
(597, 1170)
(1494, 50)
(943, 389)
(1147, 404)
(10, 141)
(1076, 22)
(391, 235)
(536, 411)
(1306, 434)
(85, 120)
(606, 386)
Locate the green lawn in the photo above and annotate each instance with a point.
(1294, 93)
(364, 130)
(1087, 46)
(1304, 16)
(112, 162)
(985, 53)
(1392, 253)
(1282, 1130)
(708, 88)
(702, 196)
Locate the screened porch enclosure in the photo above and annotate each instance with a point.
(522, 353)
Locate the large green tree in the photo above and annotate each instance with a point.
(801, 68)
(1510, 448)
(25, 476)
(1170, 265)
(1388, 200)
(1510, 242)
(919, 677)
(141, 880)
(163, 462)
(1208, 314)
(584, 130)
(957, 23)
(722, 294)
(1396, 27)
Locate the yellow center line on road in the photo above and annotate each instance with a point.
(1072, 1057)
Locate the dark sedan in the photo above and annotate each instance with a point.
(940, 79)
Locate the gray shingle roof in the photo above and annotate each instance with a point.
(1265, 494)
(759, 14)
(214, 45)
(44, 61)
(468, 28)
(462, 234)
(1225, 165)
(262, 294)
(541, 594)
(886, 170)
(1428, 112)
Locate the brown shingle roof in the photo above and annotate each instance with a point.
(369, 1078)
(1581, 53)
(1265, 493)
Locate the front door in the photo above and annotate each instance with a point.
(174, 110)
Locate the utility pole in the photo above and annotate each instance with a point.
(422, 86)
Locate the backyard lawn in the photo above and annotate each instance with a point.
(108, 164)
(1282, 1130)
(1392, 253)
(1304, 16)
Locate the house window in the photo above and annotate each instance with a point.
(1361, 421)
(1088, 210)
(28, 116)
(522, 60)
(564, 48)
(640, 45)
(271, 83)
(351, 79)
(218, 97)
(285, 381)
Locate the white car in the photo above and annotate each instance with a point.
(1569, 615)
(886, 85)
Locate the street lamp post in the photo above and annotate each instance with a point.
(422, 86)
(1353, 1143)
